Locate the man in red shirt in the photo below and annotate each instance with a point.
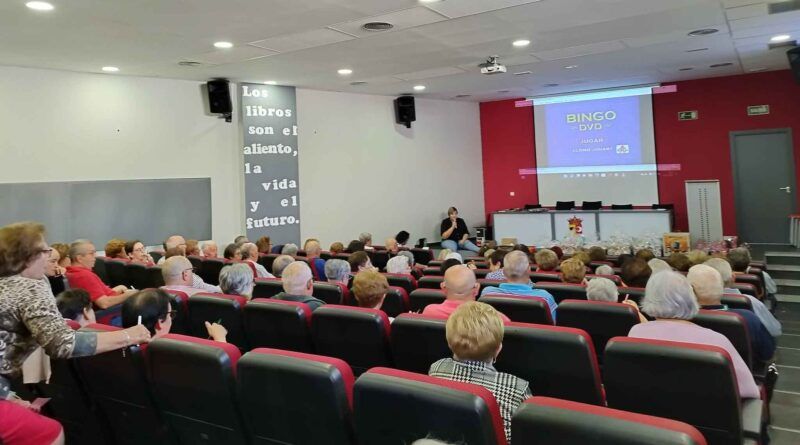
(80, 275)
(461, 287)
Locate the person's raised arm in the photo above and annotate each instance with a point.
(449, 231)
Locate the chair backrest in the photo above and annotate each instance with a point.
(278, 324)
(751, 278)
(632, 293)
(180, 303)
(358, 336)
(732, 326)
(210, 270)
(153, 277)
(267, 260)
(397, 407)
(396, 302)
(423, 297)
(548, 421)
(435, 270)
(422, 256)
(330, 293)
(197, 261)
(621, 206)
(430, 282)
(292, 397)
(267, 287)
(601, 320)
(218, 308)
(100, 269)
(688, 382)
(746, 288)
(735, 301)
(136, 274)
(570, 370)
(538, 277)
(521, 309)
(615, 278)
(378, 258)
(565, 205)
(484, 283)
(407, 282)
(563, 291)
(117, 273)
(418, 341)
(193, 380)
(119, 386)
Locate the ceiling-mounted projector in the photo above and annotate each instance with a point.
(492, 66)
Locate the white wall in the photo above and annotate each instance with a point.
(64, 126)
(359, 171)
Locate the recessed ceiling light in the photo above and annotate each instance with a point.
(223, 45)
(780, 38)
(40, 6)
(570, 67)
(430, 1)
(703, 32)
(377, 26)
(720, 65)
(270, 82)
(520, 43)
(110, 69)
(419, 87)
(345, 71)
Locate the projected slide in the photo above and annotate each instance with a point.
(596, 147)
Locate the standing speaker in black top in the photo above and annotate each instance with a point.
(404, 111)
(219, 96)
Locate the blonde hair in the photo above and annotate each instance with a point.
(474, 331)
(583, 257)
(115, 247)
(697, 257)
(20, 243)
(369, 288)
(443, 254)
(546, 259)
(573, 271)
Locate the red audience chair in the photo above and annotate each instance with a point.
(399, 407)
(278, 324)
(358, 336)
(563, 291)
(423, 297)
(218, 308)
(396, 302)
(194, 384)
(521, 309)
(292, 397)
(601, 320)
(418, 341)
(330, 293)
(732, 326)
(267, 287)
(548, 421)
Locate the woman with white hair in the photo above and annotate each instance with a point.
(398, 265)
(603, 289)
(604, 269)
(670, 299)
(237, 279)
(658, 265)
(337, 271)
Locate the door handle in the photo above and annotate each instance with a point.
(787, 189)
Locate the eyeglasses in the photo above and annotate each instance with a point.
(47, 251)
(172, 314)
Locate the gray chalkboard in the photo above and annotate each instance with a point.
(148, 210)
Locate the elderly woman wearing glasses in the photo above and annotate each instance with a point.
(29, 318)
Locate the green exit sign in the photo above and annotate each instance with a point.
(757, 110)
(687, 115)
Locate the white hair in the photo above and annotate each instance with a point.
(658, 265)
(246, 249)
(365, 237)
(724, 268)
(336, 269)
(398, 264)
(602, 289)
(236, 279)
(454, 255)
(289, 249)
(604, 269)
(280, 264)
(516, 265)
(706, 282)
(669, 295)
(295, 278)
(408, 255)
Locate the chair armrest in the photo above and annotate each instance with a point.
(752, 412)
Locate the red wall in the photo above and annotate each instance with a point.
(701, 147)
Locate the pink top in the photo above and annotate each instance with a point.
(448, 307)
(692, 333)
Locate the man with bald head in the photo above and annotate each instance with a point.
(177, 272)
(516, 269)
(461, 287)
(173, 242)
(708, 287)
(298, 285)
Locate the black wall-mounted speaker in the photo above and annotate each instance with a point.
(219, 97)
(404, 111)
